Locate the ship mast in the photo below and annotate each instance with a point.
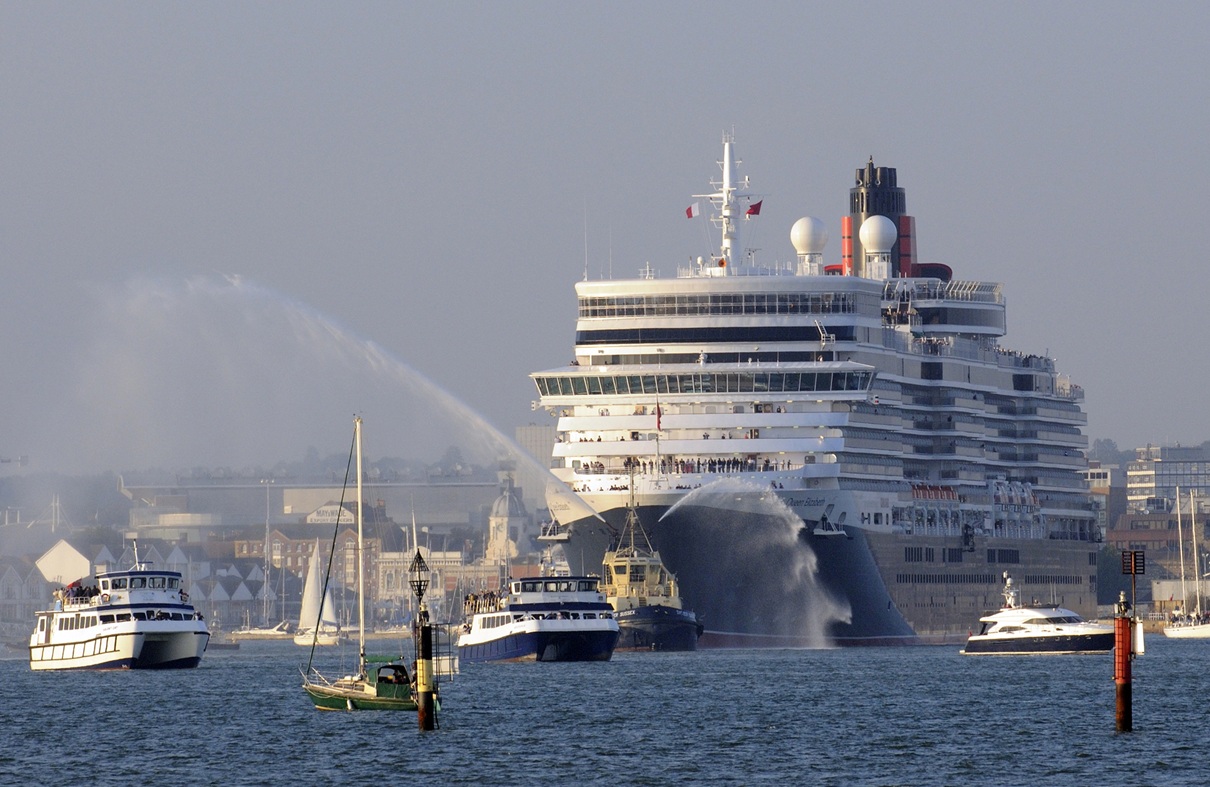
(361, 573)
(726, 206)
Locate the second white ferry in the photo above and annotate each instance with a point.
(138, 618)
(823, 452)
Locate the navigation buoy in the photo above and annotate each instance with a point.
(1122, 655)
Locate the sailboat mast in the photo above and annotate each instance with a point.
(1180, 540)
(1197, 563)
(361, 574)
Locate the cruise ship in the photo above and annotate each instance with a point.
(825, 451)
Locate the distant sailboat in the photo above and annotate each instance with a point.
(1189, 625)
(316, 627)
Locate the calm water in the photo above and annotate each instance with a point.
(896, 716)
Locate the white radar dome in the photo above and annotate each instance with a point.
(878, 234)
(808, 235)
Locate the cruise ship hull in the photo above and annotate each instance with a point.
(759, 580)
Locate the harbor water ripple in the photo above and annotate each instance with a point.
(878, 716)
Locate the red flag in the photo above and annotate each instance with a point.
(754, 208)
(693, 211)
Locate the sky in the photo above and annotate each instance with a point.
(227, 227)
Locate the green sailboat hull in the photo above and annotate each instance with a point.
(337, 698)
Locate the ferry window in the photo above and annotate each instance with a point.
(551, 587)
(104, 584)
(155, 582)
(119, 584)
(588, 584)
(125, 616)
(566, 586)
(107, 618)
(532, 587)
(41, 624)
(173, 582)
(138, 582)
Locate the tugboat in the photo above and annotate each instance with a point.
(139, 618)
(1019, 631)
(540, 619)
(645, 596)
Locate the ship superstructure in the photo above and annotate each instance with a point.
(867, 403)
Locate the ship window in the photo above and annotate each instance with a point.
(138, 582)
(155, 582)
(637, 573)
(173, 582)
(578, 386)
(119, 584)
(588, 585)
(104, 584)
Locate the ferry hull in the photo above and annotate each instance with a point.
(543, 646)
(657, 627)
(124, 650)
(175, 650)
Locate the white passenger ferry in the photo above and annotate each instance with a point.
(540, 619)
(139, 618)
(867, 395)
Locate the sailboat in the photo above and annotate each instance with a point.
(377, 684)
(317, 624)
(650, 613)
(1186, 626)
